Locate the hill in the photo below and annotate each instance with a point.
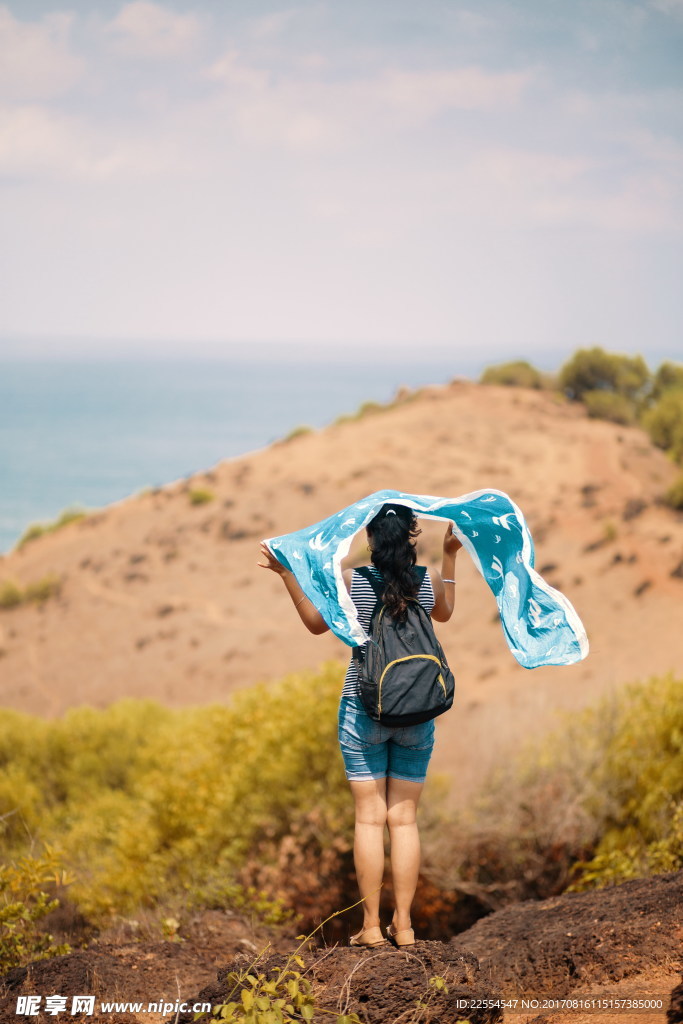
(161, 596)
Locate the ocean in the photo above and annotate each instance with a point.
(89, 431)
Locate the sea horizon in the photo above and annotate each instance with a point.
(89, 430)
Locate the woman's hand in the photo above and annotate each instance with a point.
(271, 561)
(306, 610)
(451, 544)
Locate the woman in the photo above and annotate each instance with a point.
(386, 766)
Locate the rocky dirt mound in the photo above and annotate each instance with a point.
(554, 946)
(124, 969)
(380, 985)
(573, 943)
(675, 1011)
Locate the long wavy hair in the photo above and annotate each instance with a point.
(392, 534)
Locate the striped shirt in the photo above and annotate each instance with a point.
(363, 596)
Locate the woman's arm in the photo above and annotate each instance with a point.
(308, 613)
(442, 583)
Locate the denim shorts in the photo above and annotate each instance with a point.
(374, 751)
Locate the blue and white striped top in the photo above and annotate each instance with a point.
(363, 596)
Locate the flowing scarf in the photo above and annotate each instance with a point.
(541, 626)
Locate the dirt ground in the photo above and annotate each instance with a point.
(620, 943)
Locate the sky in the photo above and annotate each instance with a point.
(429, 176)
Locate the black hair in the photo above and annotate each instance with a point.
(392, 533)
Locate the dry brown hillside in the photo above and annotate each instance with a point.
(162, 598)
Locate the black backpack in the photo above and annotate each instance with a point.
(403, 676)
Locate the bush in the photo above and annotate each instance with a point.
(519, 374)
(299, 431)
(368, 408)
(607, 405)
(641, 813)
(674, 496)
(69, 515)
(668, 376)
(148, 803)
(23, 902)
(571, 812)
(200, 496)
(11, 594)
(664, 423)
(596, 370)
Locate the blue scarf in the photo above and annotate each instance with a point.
(540, 624)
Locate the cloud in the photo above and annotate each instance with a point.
(672, 7)
(35, 59)
(554, 191)
(39, 143)
(425, 94)
(302, 111)
(274, 24)
(143, 29)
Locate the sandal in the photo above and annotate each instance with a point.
(403, 937)
(364, 938)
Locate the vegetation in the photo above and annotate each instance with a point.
(518, 373)
(23, 902)
(147, 803)
(664, 422)
(596, 370)
(370, 408)
(572, 813)
(299, 431)
(668, 376)
(12, 594)
(69, 515)
(614, 387)
(208, 806)
(674, 496)
(200, 495)
(609, 531)
(608, 405)
(620, 388)
(283, 999)
(640, 813)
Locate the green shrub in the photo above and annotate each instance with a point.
(664, 423)
(299, 431)
(668, 376)
(69, 515)
(147, 802)
(43, 588)
(368, 408)
(284, 997)
(572, 812)
(518, 373)
(608, 405)
(200, 495)
(674, 496)
(596, 370)
(11, 594)
(609, 531)
(23, 902)
(641, 812)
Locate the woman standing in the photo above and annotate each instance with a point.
(386, 765)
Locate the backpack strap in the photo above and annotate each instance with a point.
(377, 585)
(418, 571)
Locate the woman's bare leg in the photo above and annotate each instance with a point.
(368, 847)
(402, 800)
